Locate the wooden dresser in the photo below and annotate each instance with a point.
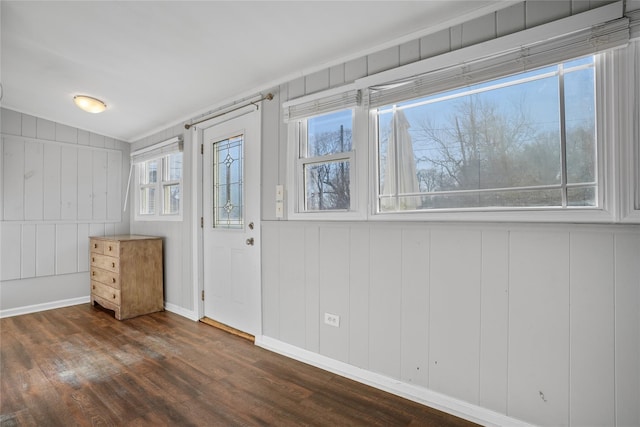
(126, 274)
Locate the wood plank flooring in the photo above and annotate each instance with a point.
(79, 366)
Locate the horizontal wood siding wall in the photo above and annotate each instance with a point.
(60, 185)
(538, 323)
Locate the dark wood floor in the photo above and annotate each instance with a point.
(79, 366)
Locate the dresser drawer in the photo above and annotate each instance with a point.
(106, 247)
(105, 276)
(105, 262)
(96, 246)
(106, 292)
(111, 248)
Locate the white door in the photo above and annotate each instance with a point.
(231, 223)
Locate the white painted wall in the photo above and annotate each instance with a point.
(60, 185)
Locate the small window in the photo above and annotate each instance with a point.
(171, 183)
(160, 188)
(325, 159)
(524, 141)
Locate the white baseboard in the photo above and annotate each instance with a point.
(43, 307)
(418, 394)
(189, 314)
(192, 315)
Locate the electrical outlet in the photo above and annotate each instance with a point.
(332, 319)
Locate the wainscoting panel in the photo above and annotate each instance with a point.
(538, 366)
(535, 322)
(59, 185)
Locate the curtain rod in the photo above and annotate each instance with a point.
(268, 97)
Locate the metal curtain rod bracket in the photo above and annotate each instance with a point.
(268, 97)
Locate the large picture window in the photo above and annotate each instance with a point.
(523, 141)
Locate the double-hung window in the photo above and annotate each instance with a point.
(322, 132)
(325, 161)
(159, 181)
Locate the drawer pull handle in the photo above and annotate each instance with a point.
(95, 246)
(93, 273)
(113, 264)
(114, 296)
(94, 286)
(93, 259)
(113, 279)
(110, 248)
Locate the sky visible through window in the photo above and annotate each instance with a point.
(539, 98)
(500, 134)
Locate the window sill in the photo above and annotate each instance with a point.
(524, 215)
(632, 217)
(327, 216)
(158, 218)
(574, 216)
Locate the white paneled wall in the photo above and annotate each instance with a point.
(536, 322)
(37, 173)
(59, 186)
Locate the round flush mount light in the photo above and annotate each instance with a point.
(89, 104)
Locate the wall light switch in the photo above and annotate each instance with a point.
(279, 209)
(279, 193)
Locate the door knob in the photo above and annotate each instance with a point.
(250, 241)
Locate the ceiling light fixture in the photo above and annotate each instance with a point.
(89, 104)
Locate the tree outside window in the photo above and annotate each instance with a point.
(505, 143)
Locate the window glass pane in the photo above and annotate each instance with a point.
(149, 172)
(505, 135)
(147, 201)
(329, 134)
(579, 87)
(327, 186)
(588, 60)
(489, 199)
(172, 167)
(228, 183)
(171, 198)
(581, 196)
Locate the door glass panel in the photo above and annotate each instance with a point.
(227, 183)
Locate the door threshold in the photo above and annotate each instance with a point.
(228, 329)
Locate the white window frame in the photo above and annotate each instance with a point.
(303, 160)
(628, 82)
(310, 107)
(498, 213)
(160, 153)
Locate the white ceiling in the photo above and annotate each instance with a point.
(156, 63)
